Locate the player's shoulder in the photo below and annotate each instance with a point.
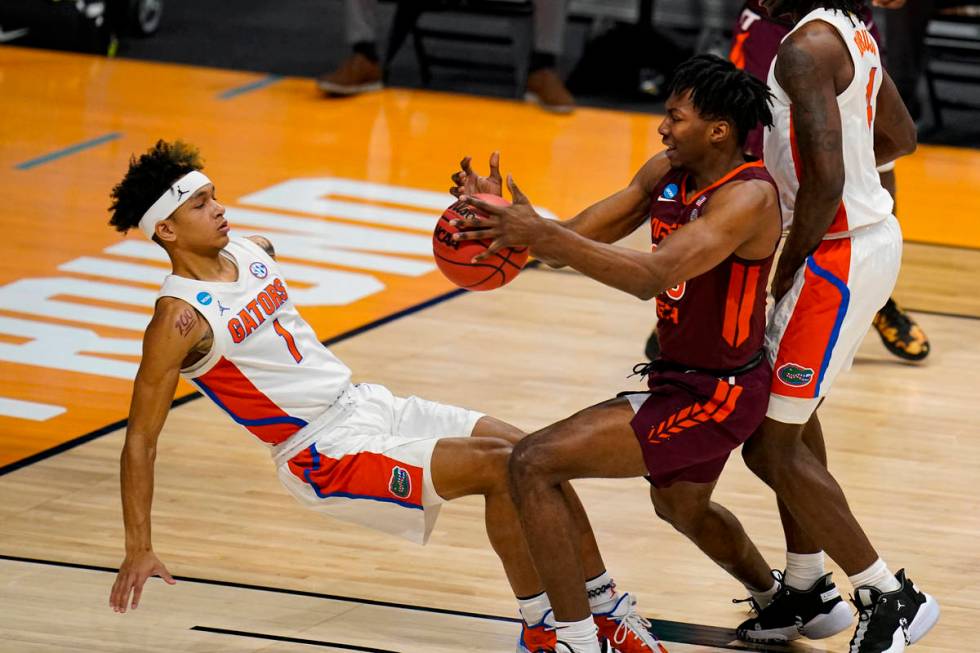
(753, 193)
(815, 43)
(175, 321)
(264, 243)
(653, 171)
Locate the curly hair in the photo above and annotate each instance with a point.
(148, 177)
(720, 91)
(848, 6)
(851, 6)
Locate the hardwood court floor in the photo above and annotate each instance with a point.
(901, 442)
(902, 438)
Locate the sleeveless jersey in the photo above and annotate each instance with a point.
(716, 320)
(266, 368)
(865, 201)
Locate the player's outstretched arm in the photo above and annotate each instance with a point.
(606, 221)
(805, 67)
(172, 334)
(738, 223)
(895, 132)
(619, 215)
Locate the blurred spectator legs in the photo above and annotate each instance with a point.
(362, 72)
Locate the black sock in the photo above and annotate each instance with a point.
(368, 49)
(541, 60)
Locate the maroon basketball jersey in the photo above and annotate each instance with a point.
(717, 320)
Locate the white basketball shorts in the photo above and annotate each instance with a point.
(815, 330)
(368, 461)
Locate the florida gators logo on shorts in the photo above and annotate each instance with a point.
(401, 483)
(795, 375)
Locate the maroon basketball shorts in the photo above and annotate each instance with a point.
(689, 422)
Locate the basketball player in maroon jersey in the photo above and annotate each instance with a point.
(715, 223)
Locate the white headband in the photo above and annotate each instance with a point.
(171, 200)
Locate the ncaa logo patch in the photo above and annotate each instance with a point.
(204, 298)
(401, 483)
(794, 375)
(670, 192)
(259, 270)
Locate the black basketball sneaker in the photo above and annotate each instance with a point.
(888, 621)
(815, 613)
(900, 334)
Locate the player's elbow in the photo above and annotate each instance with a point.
(138, 451)
(651, 285)
(910, 142)
(826, 187)
(646, 292)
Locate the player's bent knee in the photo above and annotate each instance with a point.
(495, 456)
(491, 427)
(685, 516)
(529, 463)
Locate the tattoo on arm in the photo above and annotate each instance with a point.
(185, 322)
(814, 131)
(266, 245)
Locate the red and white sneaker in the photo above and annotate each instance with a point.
(625, 630)
(539, 638)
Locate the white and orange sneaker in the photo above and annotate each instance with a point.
(539, 638)
(625, 630)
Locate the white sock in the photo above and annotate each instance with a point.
(601, 591)
(533, 608)
(764, 598)
(580, 635)
(803, 569)
(878, 576)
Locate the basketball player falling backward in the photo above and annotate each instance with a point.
(225, 321)
(715, 226)
(837, 115)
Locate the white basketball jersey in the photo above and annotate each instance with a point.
(266, 368)
(864, 200)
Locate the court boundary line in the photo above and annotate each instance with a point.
(924, 311)
(248, 87)
(968, 248)
(291, 640)
(179, 401)
(959, 316)
(67, 151)
(678, 632)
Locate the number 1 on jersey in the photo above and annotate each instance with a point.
(870, 92)
(288, 337)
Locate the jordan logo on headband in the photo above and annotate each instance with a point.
(166, 204)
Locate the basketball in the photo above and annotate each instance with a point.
(455, 258)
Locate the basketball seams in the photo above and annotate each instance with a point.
(500, 263)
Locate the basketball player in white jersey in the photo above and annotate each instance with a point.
(224, 320)
(837, 115)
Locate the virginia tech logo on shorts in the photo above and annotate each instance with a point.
(794, 375)
(401, 483)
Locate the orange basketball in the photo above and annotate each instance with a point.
(455, 258)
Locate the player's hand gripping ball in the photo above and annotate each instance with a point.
(455, 257)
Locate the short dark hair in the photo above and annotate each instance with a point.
(148, 177)
(852, 6)
(720, 91)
